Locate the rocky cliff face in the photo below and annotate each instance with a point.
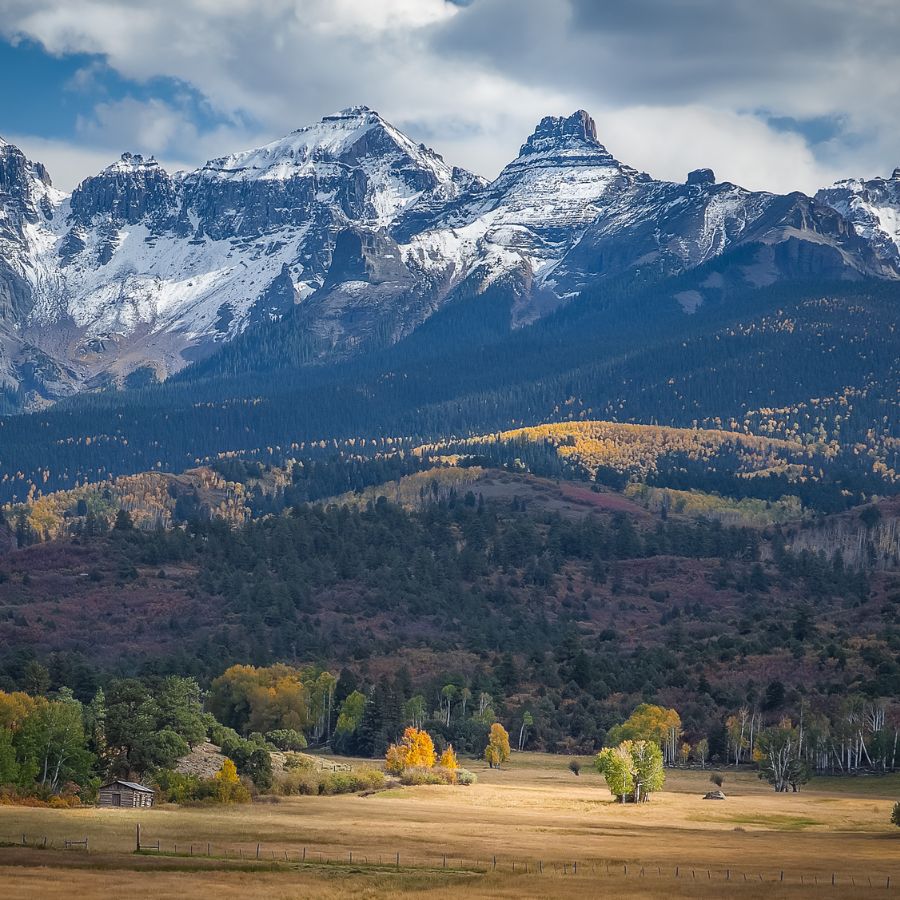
(368, 233)
(873, 208)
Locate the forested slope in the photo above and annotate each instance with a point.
(813, 363)
(581, 610)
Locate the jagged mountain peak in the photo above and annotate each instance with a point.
(553, 131)
(570, 139)
(130, 162)
(873, 207)
(15, 166)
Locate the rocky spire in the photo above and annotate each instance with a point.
(557, 132)
(701, 176)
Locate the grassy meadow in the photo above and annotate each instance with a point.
(532, 815)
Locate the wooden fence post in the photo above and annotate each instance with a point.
(137, 838)
(257, 851)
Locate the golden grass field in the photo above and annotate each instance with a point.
(533, 812)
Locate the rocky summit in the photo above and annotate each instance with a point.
(364, 233)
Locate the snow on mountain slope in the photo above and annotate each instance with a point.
(142, 268)
(566, 214)
(664, 228)
(524, 222)
(872, 206)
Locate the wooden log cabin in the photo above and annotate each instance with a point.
(126, 794)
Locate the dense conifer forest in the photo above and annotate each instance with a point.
(814, 363)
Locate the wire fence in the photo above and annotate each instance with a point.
(259, 854)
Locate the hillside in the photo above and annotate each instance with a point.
(815, 366)
(699, 470)
(577, 602)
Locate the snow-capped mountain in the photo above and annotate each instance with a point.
(139, 268)
(366, 233)
(873, 207)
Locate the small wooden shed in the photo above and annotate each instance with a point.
(126, 793)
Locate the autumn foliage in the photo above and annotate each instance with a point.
(228, 787)
(497, 750)
(415, 750)
(448, 759)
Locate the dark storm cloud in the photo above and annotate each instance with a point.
(653, 51)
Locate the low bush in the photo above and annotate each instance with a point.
(415, 775)
(286, 739)
(219, 734)
(10, 796)
(305, 781)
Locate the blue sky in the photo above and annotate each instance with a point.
(55, 93)
(779, 94)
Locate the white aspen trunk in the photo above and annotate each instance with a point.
(862, 745)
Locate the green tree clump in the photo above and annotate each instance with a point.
(633, 770)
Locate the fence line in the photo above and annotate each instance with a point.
(307, 856)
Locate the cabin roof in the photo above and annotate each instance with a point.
(129, 784)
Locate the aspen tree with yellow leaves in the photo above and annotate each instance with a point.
(497, 750)
(416, 749)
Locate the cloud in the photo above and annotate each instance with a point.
(673, 86)
(740, 148)
(798, 59)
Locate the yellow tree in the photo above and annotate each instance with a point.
(228, 787)
(416, 749)
(16, 707)
(497, 750)
(448, 758)
(651, 723)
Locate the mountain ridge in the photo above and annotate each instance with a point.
(140, 272)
